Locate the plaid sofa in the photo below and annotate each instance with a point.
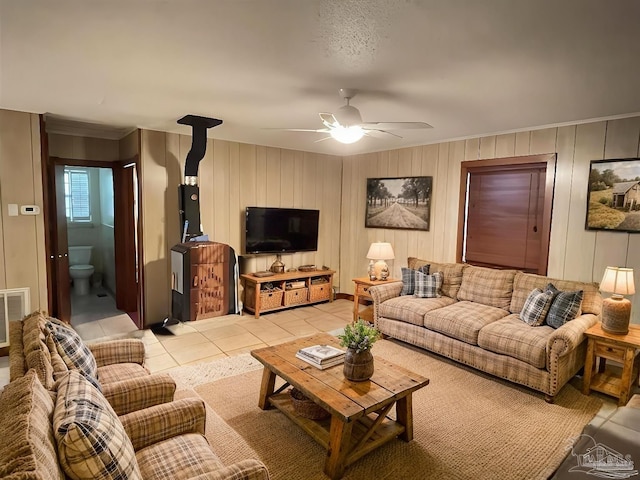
(41, 441)
(476, 321)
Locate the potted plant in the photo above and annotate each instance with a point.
(358, 338)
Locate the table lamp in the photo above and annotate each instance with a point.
(380, 251)
(616, 310)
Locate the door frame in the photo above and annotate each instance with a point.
(59, 300)
(506, 162)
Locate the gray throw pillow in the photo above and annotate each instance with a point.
(565, 306)
(409, 279)
(536, 307)
(428, 286)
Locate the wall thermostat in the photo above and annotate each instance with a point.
(29, 209)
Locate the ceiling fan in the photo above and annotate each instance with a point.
(346, 125)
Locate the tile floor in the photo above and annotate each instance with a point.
(97, 318)
(204, 340)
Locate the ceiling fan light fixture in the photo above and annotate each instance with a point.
(347, 134)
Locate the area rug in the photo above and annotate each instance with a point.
(467, 425)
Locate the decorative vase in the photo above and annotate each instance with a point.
(358, 366)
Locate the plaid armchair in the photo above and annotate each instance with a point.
(73, 432)
(120, 371)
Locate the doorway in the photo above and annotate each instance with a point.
(505, 221)
(92, 226)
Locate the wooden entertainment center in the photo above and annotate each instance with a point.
(285, 290)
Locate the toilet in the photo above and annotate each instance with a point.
(80, 268)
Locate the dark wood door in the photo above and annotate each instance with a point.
(125, 237)
(59, 256)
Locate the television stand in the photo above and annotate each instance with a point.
(286, 290)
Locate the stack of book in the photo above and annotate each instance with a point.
(321, 356)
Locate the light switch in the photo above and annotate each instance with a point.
(13, 209)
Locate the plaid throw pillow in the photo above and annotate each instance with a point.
(92, 443)
(565, 306)
(74, 352)
(428, 286)
(536, 307)
(409, 279)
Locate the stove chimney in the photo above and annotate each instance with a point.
(189, 192)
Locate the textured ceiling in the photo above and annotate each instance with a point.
(467, 67)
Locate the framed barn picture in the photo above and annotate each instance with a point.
(403, 203)
(613, 199)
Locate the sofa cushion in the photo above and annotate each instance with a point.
(488, 286)
(452, 274)
(523, 283)
(27, 449)
(536, 307)
(409, 279)
(74, 351)
(565, 306)
(511, 336)
(190, 456)
(410, 309)
(121, 371)
(92, 443)
(428, 286)
(462, 320)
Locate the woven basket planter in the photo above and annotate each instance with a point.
(305, 407)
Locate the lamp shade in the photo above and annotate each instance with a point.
(618, 281)
(380, 251)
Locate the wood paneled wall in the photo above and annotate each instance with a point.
(574, 253)
(22, 252)
(232, 176)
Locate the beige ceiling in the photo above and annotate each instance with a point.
(467, 67)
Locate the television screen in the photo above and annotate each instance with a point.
(281, 230)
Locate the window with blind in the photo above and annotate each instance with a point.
(506, 219)
(77, 195)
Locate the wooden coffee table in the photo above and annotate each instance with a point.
(359, 421)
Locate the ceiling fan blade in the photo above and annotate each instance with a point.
(323, 139)
(395, 125)
(377, 133)
(328, 119)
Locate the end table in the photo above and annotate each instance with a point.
(361, 292)
(623, 349)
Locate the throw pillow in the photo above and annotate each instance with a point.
(428, 286)
(409, 279)
(536, 307)
(74, 352)
(565, 306)
(92, 443)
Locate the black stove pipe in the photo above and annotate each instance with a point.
(189, 192)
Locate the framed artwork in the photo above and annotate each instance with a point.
(403, 203)
(613, 199)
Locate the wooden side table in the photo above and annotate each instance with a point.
(361, 292)
(623, 349)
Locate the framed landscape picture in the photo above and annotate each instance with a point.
(403, 203)
(613, 200)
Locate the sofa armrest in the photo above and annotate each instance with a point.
(17, 362)
(161, 422)
(134, 394)
(127, 350)
(245, 469)
(567, 338)
(381, 293)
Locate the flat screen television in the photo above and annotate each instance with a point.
(281, 230)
